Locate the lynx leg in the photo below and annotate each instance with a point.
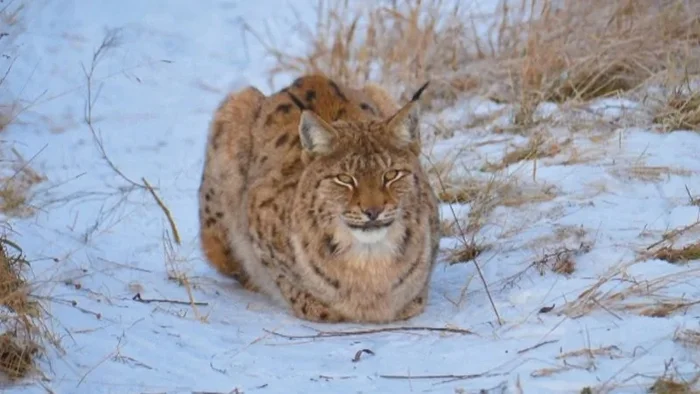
(415, 307)
(220, 256)
(224, 181)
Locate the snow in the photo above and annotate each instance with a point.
(93, 246)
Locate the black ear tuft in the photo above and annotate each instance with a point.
(297, 101)
(418, 93)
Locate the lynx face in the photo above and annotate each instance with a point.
(360, 173)
(370, 196)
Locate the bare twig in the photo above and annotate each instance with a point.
(329, 334)
(527, 349)
(166, 211)
(138, 298)
(465, 242)
(444, 377)
(105, 358)
(693, 200)
(110, 41)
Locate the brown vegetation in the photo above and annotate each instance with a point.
(535, 50)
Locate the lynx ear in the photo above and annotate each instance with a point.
(404, 123)
(315, 133)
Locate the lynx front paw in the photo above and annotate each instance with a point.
(414, 308)
(306, 306)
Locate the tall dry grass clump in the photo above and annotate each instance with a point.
(526, 52)
(21, 328)
(22, 331)
(19, 334)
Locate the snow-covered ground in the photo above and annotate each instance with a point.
(94, 245)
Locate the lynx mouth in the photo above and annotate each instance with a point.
(371, 225)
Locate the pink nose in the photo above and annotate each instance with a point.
(373, 212)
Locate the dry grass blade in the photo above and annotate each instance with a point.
(166, 211)
(611, 351)
(662, 309)
(646, 173)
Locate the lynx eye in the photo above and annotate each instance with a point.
(391, 175)
(345, 180)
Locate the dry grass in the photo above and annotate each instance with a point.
(692, 200)
(465, 253)
(671, 386)
(17, 179)
(671, 383)
(680, 112)
(20, 338)
(587, 357)
(463, 191)
(539, 146)
(646, 173)
(558, 252)
(688, 337)
(562, 260)
(535, 50)
(175, 266)
(483, 193)
(21, 330)
(617, 291)
(678, 255)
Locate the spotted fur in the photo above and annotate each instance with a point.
(315, 196)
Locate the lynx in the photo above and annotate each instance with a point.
(315, 196)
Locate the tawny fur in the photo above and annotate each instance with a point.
(287, 201)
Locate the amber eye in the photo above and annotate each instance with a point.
(345, 179)
(391, 175)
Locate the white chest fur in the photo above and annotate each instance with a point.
(375, 247)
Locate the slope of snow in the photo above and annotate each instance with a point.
(94, 246)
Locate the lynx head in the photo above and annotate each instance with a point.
(360, 175)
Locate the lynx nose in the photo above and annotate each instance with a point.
(373, 213)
